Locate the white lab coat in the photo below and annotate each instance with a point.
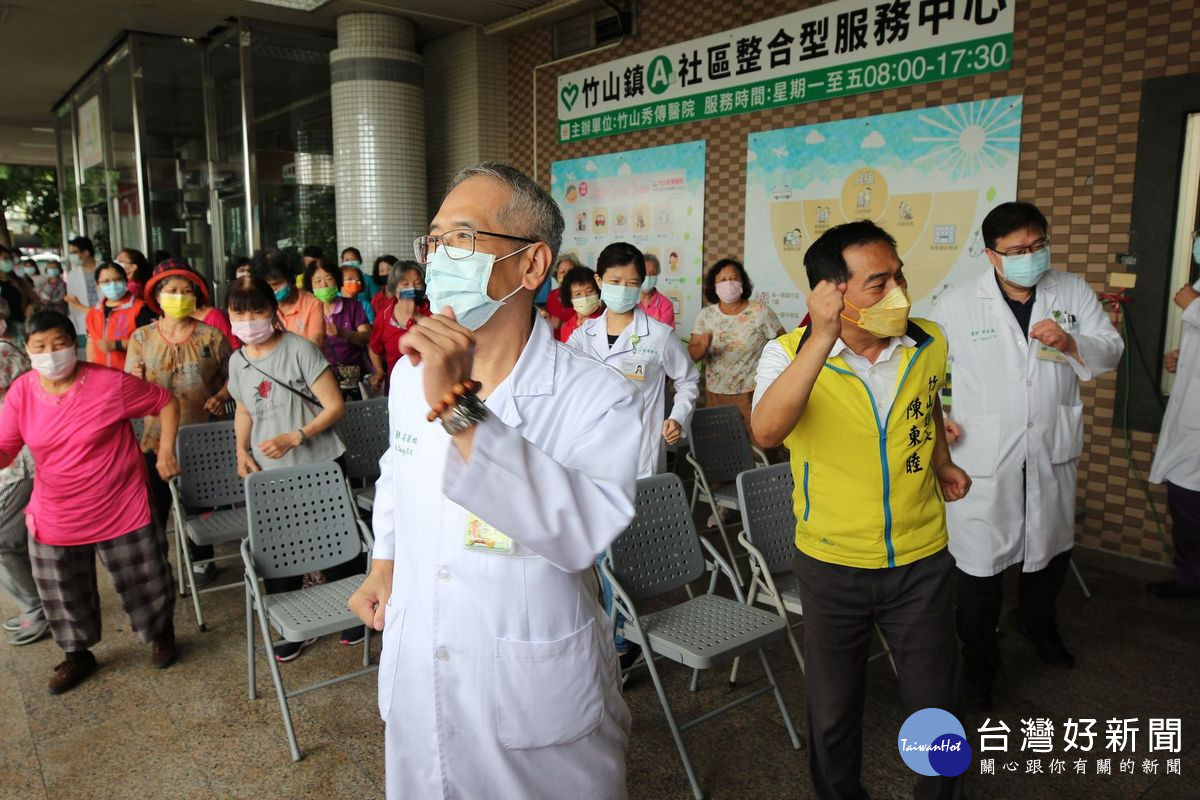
(647, 353)
(1177, 458)
(1016, 408)
(498, 676)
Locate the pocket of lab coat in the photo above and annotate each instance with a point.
(548, 693)
(979, 448)
(389, 655)
(1066, 442)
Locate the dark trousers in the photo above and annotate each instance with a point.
(160, 506)
(913, 606)
(1184, 505)
(979, 603)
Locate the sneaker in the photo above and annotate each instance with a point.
(1167, 590)
(30, 631)
(72, 672)
(1048, 644)
(162, 654)
(630, 656)
(12, 624)
(204, 574)
(353, 636)
(289, 651)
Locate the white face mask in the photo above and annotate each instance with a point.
(75, 260)
(462, 284)
(649, 284)
(55, 365)
(620, 298)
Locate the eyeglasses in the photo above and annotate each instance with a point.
(1036, 247)
(462, 240)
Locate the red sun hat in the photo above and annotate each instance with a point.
(174, 269)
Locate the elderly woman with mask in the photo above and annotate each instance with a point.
(406, 288)
(74, 417)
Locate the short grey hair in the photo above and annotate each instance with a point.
(570, 258)
(654, 258)
(398, 270)
(530, 211)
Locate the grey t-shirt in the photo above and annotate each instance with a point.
(273, 408)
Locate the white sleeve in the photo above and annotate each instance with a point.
(680, 368)
(771, 365)
(569, 512)
(383, 517)
(1099, 345)
(1191, 314)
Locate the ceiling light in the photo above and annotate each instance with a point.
(296, 5)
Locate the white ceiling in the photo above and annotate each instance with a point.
(52, 43)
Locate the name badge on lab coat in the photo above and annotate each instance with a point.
(1070, 325)
(634, 368)
(481, 536)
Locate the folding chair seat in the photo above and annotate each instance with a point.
(206, 501)
(302, 519)
(660, 553)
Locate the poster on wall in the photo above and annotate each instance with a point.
(830, 50)
(651, 198)
(91, 150)
(927, 176)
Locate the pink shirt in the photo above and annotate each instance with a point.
(215, 318)
(660, 308)
(90, 484)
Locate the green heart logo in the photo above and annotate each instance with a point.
(569, 95)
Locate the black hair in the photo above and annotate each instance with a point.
(324, 266)
(576, 276)
(312, 251)
(389, 260)
(271, 264)
(29, 262)
(141, 267)
(618, 254)
(825, 260)
(44, 321)
(710, 280)
(82, 243)
(161, 256)
(1009, 218)
(355, 250)
(103, 265)
(251, 294)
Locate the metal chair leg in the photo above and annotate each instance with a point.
(1079, 577)
(253, 690)
(279, 692)
(787, 718)
(675, 732)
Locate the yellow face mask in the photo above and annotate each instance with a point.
(177, 306)
(887, 318)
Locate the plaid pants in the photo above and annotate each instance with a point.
(66, 581)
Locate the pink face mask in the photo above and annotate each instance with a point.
(729, 291)
(255, 331)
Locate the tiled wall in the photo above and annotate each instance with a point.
(466, 88)
(1079, 64)
(378, 103)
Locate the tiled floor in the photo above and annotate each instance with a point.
(191, 732)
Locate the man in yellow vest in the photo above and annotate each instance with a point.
(854, 396)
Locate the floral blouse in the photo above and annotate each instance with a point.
(738, 340)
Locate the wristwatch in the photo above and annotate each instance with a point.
(303, 435)
(470, 411)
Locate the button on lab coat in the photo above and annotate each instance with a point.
(647, 352)
(498, 676)
(1015, 408)
(1177, 458)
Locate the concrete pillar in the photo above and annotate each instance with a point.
(378, 100)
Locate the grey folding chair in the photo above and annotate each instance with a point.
(139, 428)
(769, 536)
(720, 449)
(206, 501)
(364, 431)
(301, 519)
(660, 553)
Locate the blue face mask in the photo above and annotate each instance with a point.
(462, 284)
(1026, 270)
(1196, 249)
(351, 264)
(650, 284)
(53, 272)
(6, 266)
(620, 298)
(282, 292)
(113, 290)
(416, 295)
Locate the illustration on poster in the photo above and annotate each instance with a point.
(928, 176)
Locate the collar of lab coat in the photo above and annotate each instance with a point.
(1046, 299)
(532, 375)
(599, 327)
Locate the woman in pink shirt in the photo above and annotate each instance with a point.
(75, 419)
(656, 304)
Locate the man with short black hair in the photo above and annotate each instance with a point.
(854, 396)
(82, 293)
(1022, 337)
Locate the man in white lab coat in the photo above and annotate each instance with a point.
(1177, 459)
(497, 676)
(1022, 337)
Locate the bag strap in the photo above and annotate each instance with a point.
(284, 384)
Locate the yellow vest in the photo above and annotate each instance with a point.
(866, 493)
